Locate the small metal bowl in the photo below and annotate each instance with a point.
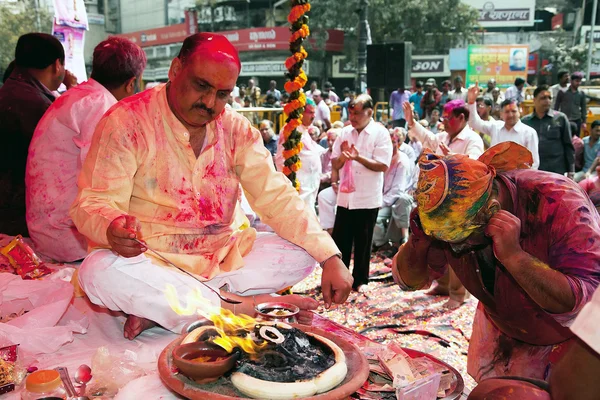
(189, 327)
(278, 312)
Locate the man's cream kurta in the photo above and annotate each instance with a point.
(142, 164)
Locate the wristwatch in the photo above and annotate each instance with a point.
(338, 255)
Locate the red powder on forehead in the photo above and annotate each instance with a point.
(212, 45)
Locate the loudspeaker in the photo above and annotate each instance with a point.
(389, 65)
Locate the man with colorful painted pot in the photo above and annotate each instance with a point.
(526, 243)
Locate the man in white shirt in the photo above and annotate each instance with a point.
(403, 147)
(323, 113)
(393, 217)
(361, 154)
(458, 137)
(515, 92)
(511, 129)
(561, 86)
(459, 92)
(61, 142)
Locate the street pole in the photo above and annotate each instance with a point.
(37, 15)
(591, 45)
(364, 37)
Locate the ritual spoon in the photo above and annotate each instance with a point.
(82, 376)
(160, 256)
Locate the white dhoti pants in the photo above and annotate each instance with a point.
(136, 286)
(327, 201)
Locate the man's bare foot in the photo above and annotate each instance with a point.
(437, 290)
(453, 304)
(136, 325)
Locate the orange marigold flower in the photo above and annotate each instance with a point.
(286, 171)
(290, 61)
(297, 11)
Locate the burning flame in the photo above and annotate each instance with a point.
(233, 330)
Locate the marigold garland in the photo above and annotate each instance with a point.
(297, 79)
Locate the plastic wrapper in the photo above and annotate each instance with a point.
(20, 259)
(112, 372)
(11, 372)
(347, 181)
(37, 314)
(425, 388)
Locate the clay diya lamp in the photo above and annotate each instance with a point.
(277, 312)
(203, 362)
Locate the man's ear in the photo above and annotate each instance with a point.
(493, 207)
(486, 212)
(130, 86)
(176, 67)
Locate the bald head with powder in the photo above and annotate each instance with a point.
(201, 78)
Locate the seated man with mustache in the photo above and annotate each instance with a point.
(526, 243)
(165, 167)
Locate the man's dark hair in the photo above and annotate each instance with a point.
(364, 99)
(508, 102)
(486, 100)
(419, 84)
(328, 85)
(446, 82)
(270, 97)
(38, 51)
(561, 74)
(573, 129)
(8, 71)
(325, 95)
(116, 60)
(595, 123)
(519, 81)
(458, 78)
(540, 89)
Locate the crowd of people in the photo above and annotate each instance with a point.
(103, 172)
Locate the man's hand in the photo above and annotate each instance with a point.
(335, 186)
(445, 149)
(121, 234)
(408, 113)
(336, 282)
(505, 230)
(352, 153)
(583, 127)
(69, 80)
(473, 93)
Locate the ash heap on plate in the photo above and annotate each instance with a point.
(277, 361)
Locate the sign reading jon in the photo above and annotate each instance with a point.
(503, 63)
(501, 13)
(429, 66)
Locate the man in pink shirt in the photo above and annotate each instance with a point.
(61, 142)
(525, 243)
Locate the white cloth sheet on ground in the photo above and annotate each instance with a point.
(270, 253)
(136, 286)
